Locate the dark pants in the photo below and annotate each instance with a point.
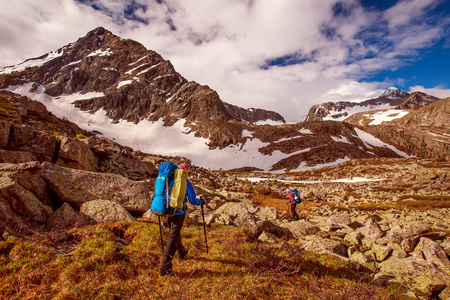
(174, 241)
(293, 212)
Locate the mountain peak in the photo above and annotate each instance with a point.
(394, 93)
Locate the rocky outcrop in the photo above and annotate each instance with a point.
(105, 211)
(343, 109)
(19, 206)
(254, 115)
(436, 114)
(417, 100)
(77, 187)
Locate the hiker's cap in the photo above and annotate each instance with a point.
(184, 167)
(288, 191)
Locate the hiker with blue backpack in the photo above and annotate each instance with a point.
(294, 199)
(172, 188)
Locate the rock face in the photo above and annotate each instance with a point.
(436, 114)
(77, 187)
(254, 115)
(20, 205)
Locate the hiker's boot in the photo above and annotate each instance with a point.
(166, 272)
(183, 254)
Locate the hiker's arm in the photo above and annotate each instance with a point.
(191, 194)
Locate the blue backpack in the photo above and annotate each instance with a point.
(296, 196)
(161, 193)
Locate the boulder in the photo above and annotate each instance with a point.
(267, 237)
(19, 205)
(77, 187)
(269, 213)
(353, 239)
(223, 219)
(379, 253)
(28, 176)
(234, 209)
(446, 246)
(105, 211)
(433, 253)
(364, 261)
(9, 156)
(419, 275)
(63, 217)
(402, 232)
(320, 245)
(371, 230)
(301, 228)
(256, 226)
(339, 221)
(77, 154)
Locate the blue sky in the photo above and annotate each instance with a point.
(283, 55)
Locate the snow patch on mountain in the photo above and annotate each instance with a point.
(123, 83)
(30, 63)
(100, 52)
(343, 114)
(340, 139)
(153, 137)
(371, 141)
(305, 131)
(268, 122)
(385, 116)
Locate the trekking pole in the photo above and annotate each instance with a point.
(204, 226)
(160, 234)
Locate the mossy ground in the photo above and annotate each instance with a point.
(234, 268)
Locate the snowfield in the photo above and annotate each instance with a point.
(154, 138)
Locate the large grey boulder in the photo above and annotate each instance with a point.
(301, 228)
(77, 187)
(320, 245)
(420, 276)
(339, 221)
(267, 213)
(105, 211)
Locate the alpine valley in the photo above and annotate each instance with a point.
(117, 89)
(84, 128)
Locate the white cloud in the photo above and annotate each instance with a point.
(227, 44)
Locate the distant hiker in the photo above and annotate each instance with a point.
(293, 203)
(175, 222)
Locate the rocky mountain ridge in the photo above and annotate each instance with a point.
(391, 98)
(254, 115)
(135, 83)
